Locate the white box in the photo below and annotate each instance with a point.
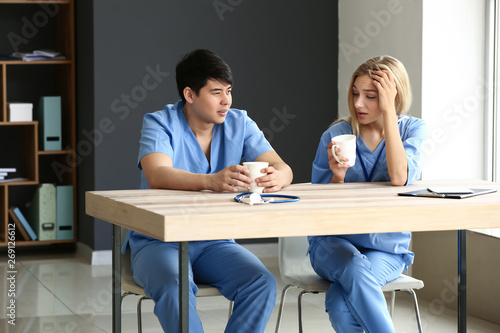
(20, 111)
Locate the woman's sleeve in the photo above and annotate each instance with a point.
(416, 134)
(321, 172)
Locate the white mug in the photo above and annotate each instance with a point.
(347, 145)
(254, 168)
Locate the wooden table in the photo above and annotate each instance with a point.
(182, 216)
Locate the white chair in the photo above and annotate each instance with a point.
(296, 271)
(130, 287)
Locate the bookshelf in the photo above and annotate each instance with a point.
(25, 26)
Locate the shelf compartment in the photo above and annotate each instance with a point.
(36, 26)
(27, 84)
(21, 152)
(57, 169)
(4, 217)
(3, 92)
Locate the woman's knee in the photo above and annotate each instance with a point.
(335, 304)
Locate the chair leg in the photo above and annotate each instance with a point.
(139, 313)
(230, 309)
(299, 305)
(282, 304)
(417, 311)
(393, 300)
(139, 309)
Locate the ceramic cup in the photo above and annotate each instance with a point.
(254, 168)
(347, 145)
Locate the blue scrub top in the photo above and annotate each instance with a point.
(167, 131)
(413, 133)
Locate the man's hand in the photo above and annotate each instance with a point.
(273, 181)
(229, 178)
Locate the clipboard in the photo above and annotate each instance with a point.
(448, 194)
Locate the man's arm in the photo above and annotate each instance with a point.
(279, 174)
(160, 173)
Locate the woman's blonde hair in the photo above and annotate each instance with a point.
(403, 98)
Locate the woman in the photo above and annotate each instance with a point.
(388, 149)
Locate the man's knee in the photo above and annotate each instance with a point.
(267, 282)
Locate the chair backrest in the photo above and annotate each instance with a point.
(293, 258)
(126, 268)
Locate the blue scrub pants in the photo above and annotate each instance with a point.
(355, 301)
(237, 273)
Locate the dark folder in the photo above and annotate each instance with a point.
(449, 194)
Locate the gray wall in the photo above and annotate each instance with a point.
(368, 28)
(436, 264)
(284, 59)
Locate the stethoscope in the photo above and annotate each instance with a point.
(252, 198)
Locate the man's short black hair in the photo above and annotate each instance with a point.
(197, 67)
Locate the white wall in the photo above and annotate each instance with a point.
(455, 91)
(453, 88)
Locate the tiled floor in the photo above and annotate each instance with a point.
(63, 293)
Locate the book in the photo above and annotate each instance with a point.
(17, 179)
(22, 224)
(8, 57)
(19, 226)
(47, 53)
(8, 169)
(19, 55)
(34, 57)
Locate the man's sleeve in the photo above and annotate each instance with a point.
(255, 143)
(155, 137)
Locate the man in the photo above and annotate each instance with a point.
(197, 144)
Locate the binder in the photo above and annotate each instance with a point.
(49, 117)
(42, 212)
(64, 212)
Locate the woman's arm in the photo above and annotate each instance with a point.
(397, 162)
